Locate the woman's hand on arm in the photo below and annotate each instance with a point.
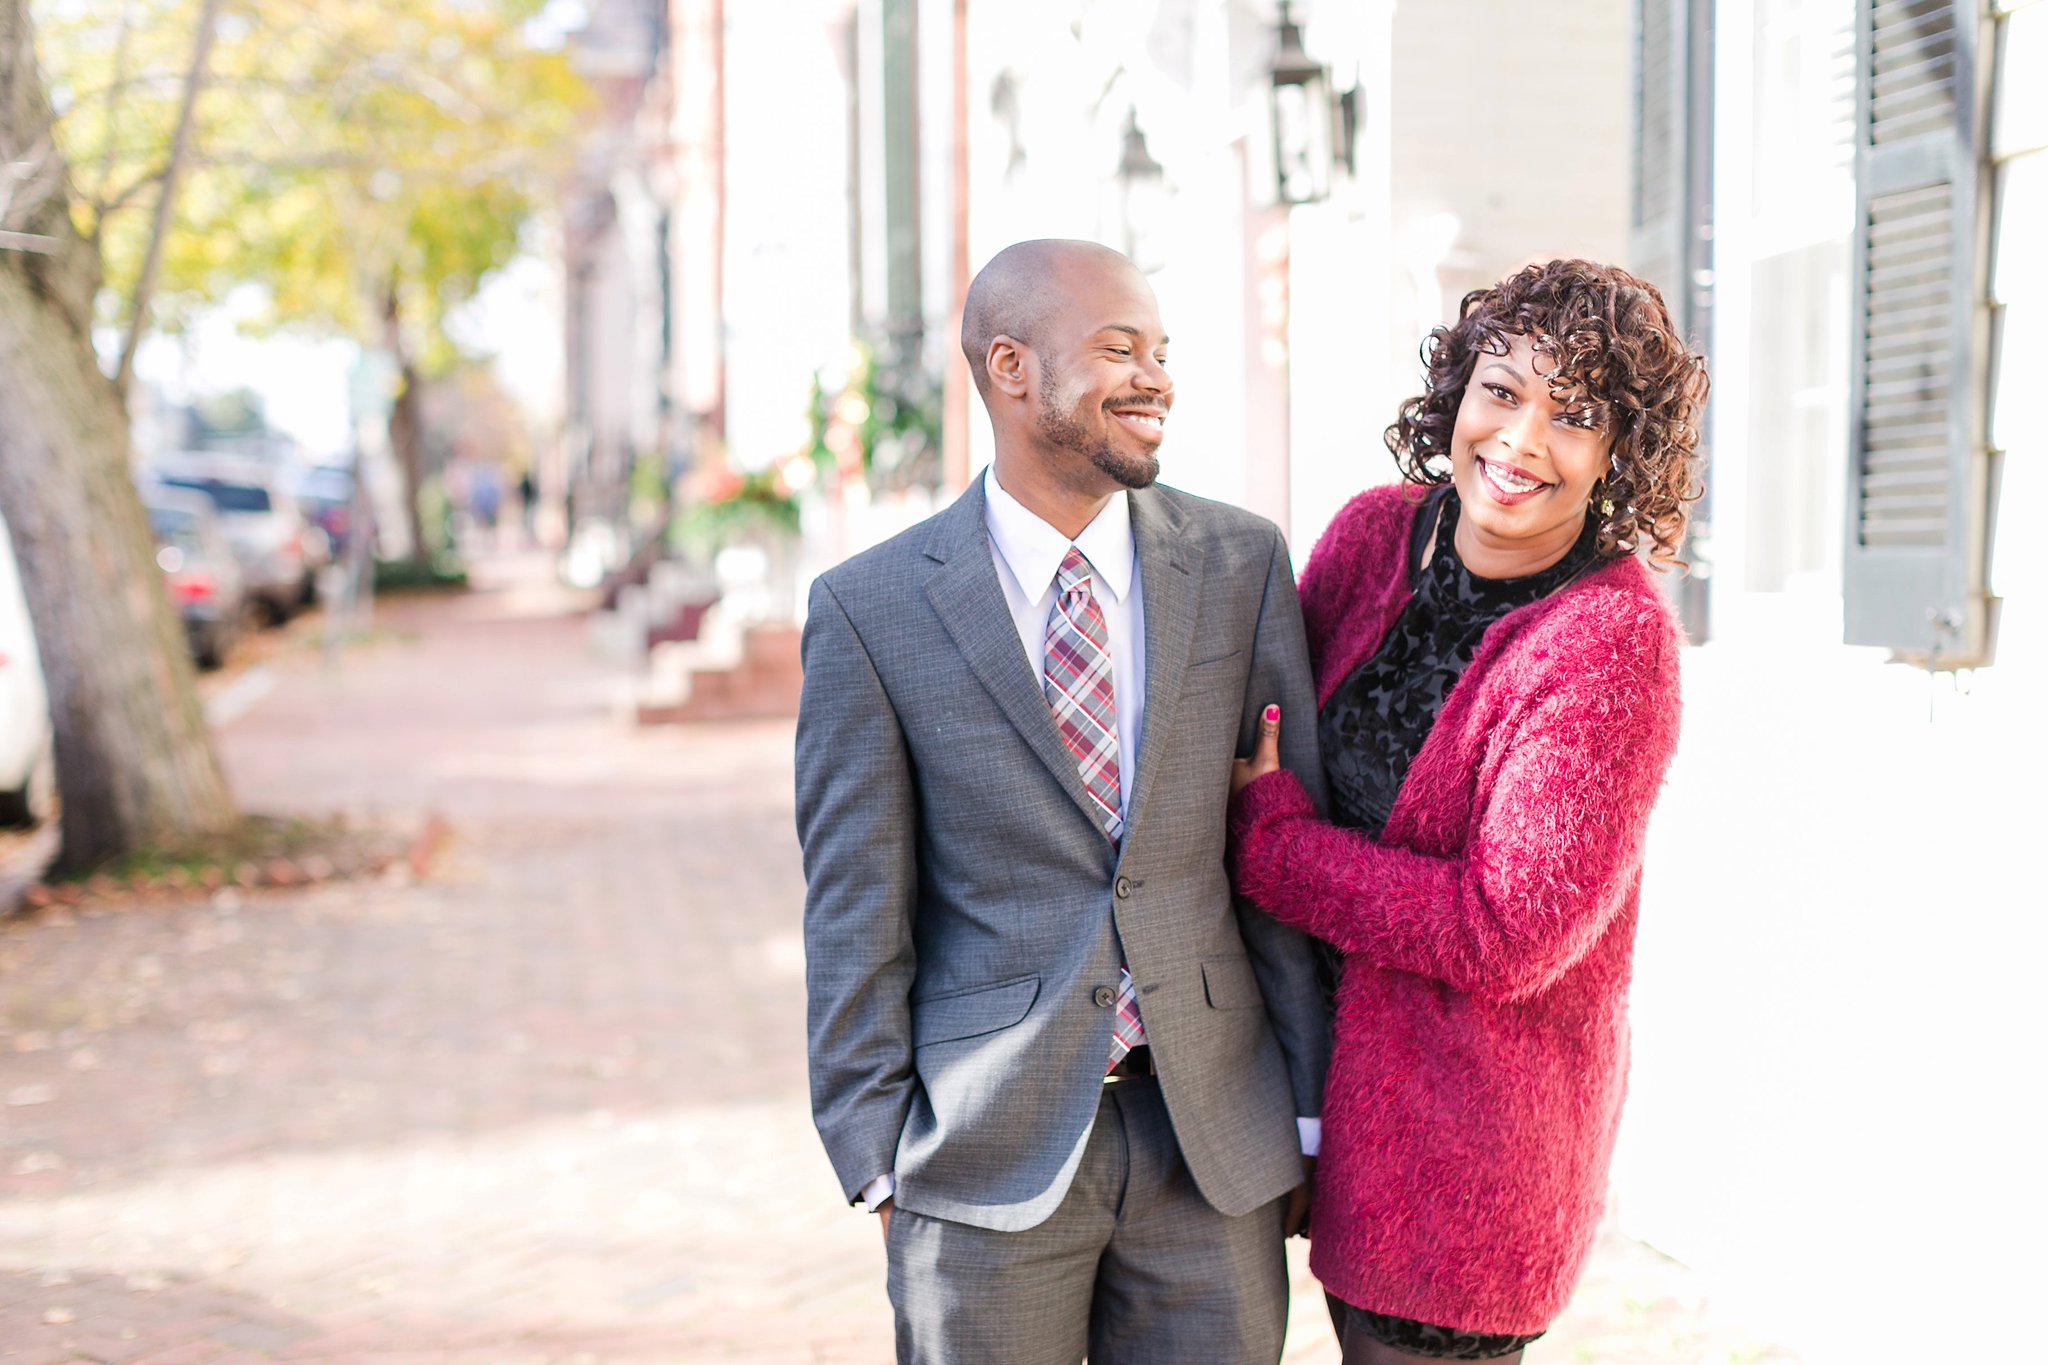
(1265, 757)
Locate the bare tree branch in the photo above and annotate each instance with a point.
(145, 283)
(101, 208)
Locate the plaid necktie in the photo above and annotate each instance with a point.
(1082, 693)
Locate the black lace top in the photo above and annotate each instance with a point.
(1376, 721)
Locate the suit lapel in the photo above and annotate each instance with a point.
(1170, 569)
(968, 598)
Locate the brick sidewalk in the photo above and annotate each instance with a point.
(545, 1106)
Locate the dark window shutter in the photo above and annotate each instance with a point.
(1913, 577)
(1657, 227)
(1671, 211)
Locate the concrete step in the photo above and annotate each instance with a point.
(765, 681)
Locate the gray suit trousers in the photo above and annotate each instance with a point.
(1135, 1267)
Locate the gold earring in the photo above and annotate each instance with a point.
(1607, 507)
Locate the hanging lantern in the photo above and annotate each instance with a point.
(1303, 123)
(1141, 186)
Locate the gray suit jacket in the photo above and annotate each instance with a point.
(965, 908)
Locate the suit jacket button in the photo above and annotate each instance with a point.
(1104, 997)
(1123, 888)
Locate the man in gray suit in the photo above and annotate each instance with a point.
(1075, 1078)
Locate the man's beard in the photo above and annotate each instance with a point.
(1060, 425)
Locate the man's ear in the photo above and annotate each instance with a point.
(1009, 366)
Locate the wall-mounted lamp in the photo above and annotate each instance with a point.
(1313, 132)
(1141, 186)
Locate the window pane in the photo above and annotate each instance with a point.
(1799, 338)
(228, 497)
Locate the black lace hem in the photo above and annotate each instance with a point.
(1423, 1339)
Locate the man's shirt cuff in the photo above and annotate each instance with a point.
(1311, 1135)
(882, 1186)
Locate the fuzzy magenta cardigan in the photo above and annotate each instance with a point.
(1481, 1030)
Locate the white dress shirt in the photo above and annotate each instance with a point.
(1027, 551)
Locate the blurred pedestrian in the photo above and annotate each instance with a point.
(486, 495)
(529, 503)
(1045, 1044)
(1498, 679)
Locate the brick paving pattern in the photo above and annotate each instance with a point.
(544, 1105)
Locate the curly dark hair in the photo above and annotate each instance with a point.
(1615, 348)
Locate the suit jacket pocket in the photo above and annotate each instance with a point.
(1231, 985)
(971, 1012)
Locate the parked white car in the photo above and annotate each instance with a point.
(28, 768)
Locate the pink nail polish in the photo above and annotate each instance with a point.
(1272, 713)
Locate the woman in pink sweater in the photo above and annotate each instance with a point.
(1498, 678)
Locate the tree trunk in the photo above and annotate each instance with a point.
(134, 762)
(406, 429)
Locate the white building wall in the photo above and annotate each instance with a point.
(2019, 559)
(1493, 136)
(1829, 1114)
(1838, 933)
(1343, 374)
(1051, 87)
(1832, 1107)
(617, 299)
(1511, 143)
(787, 281)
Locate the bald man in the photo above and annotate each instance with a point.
(1077, 1081)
